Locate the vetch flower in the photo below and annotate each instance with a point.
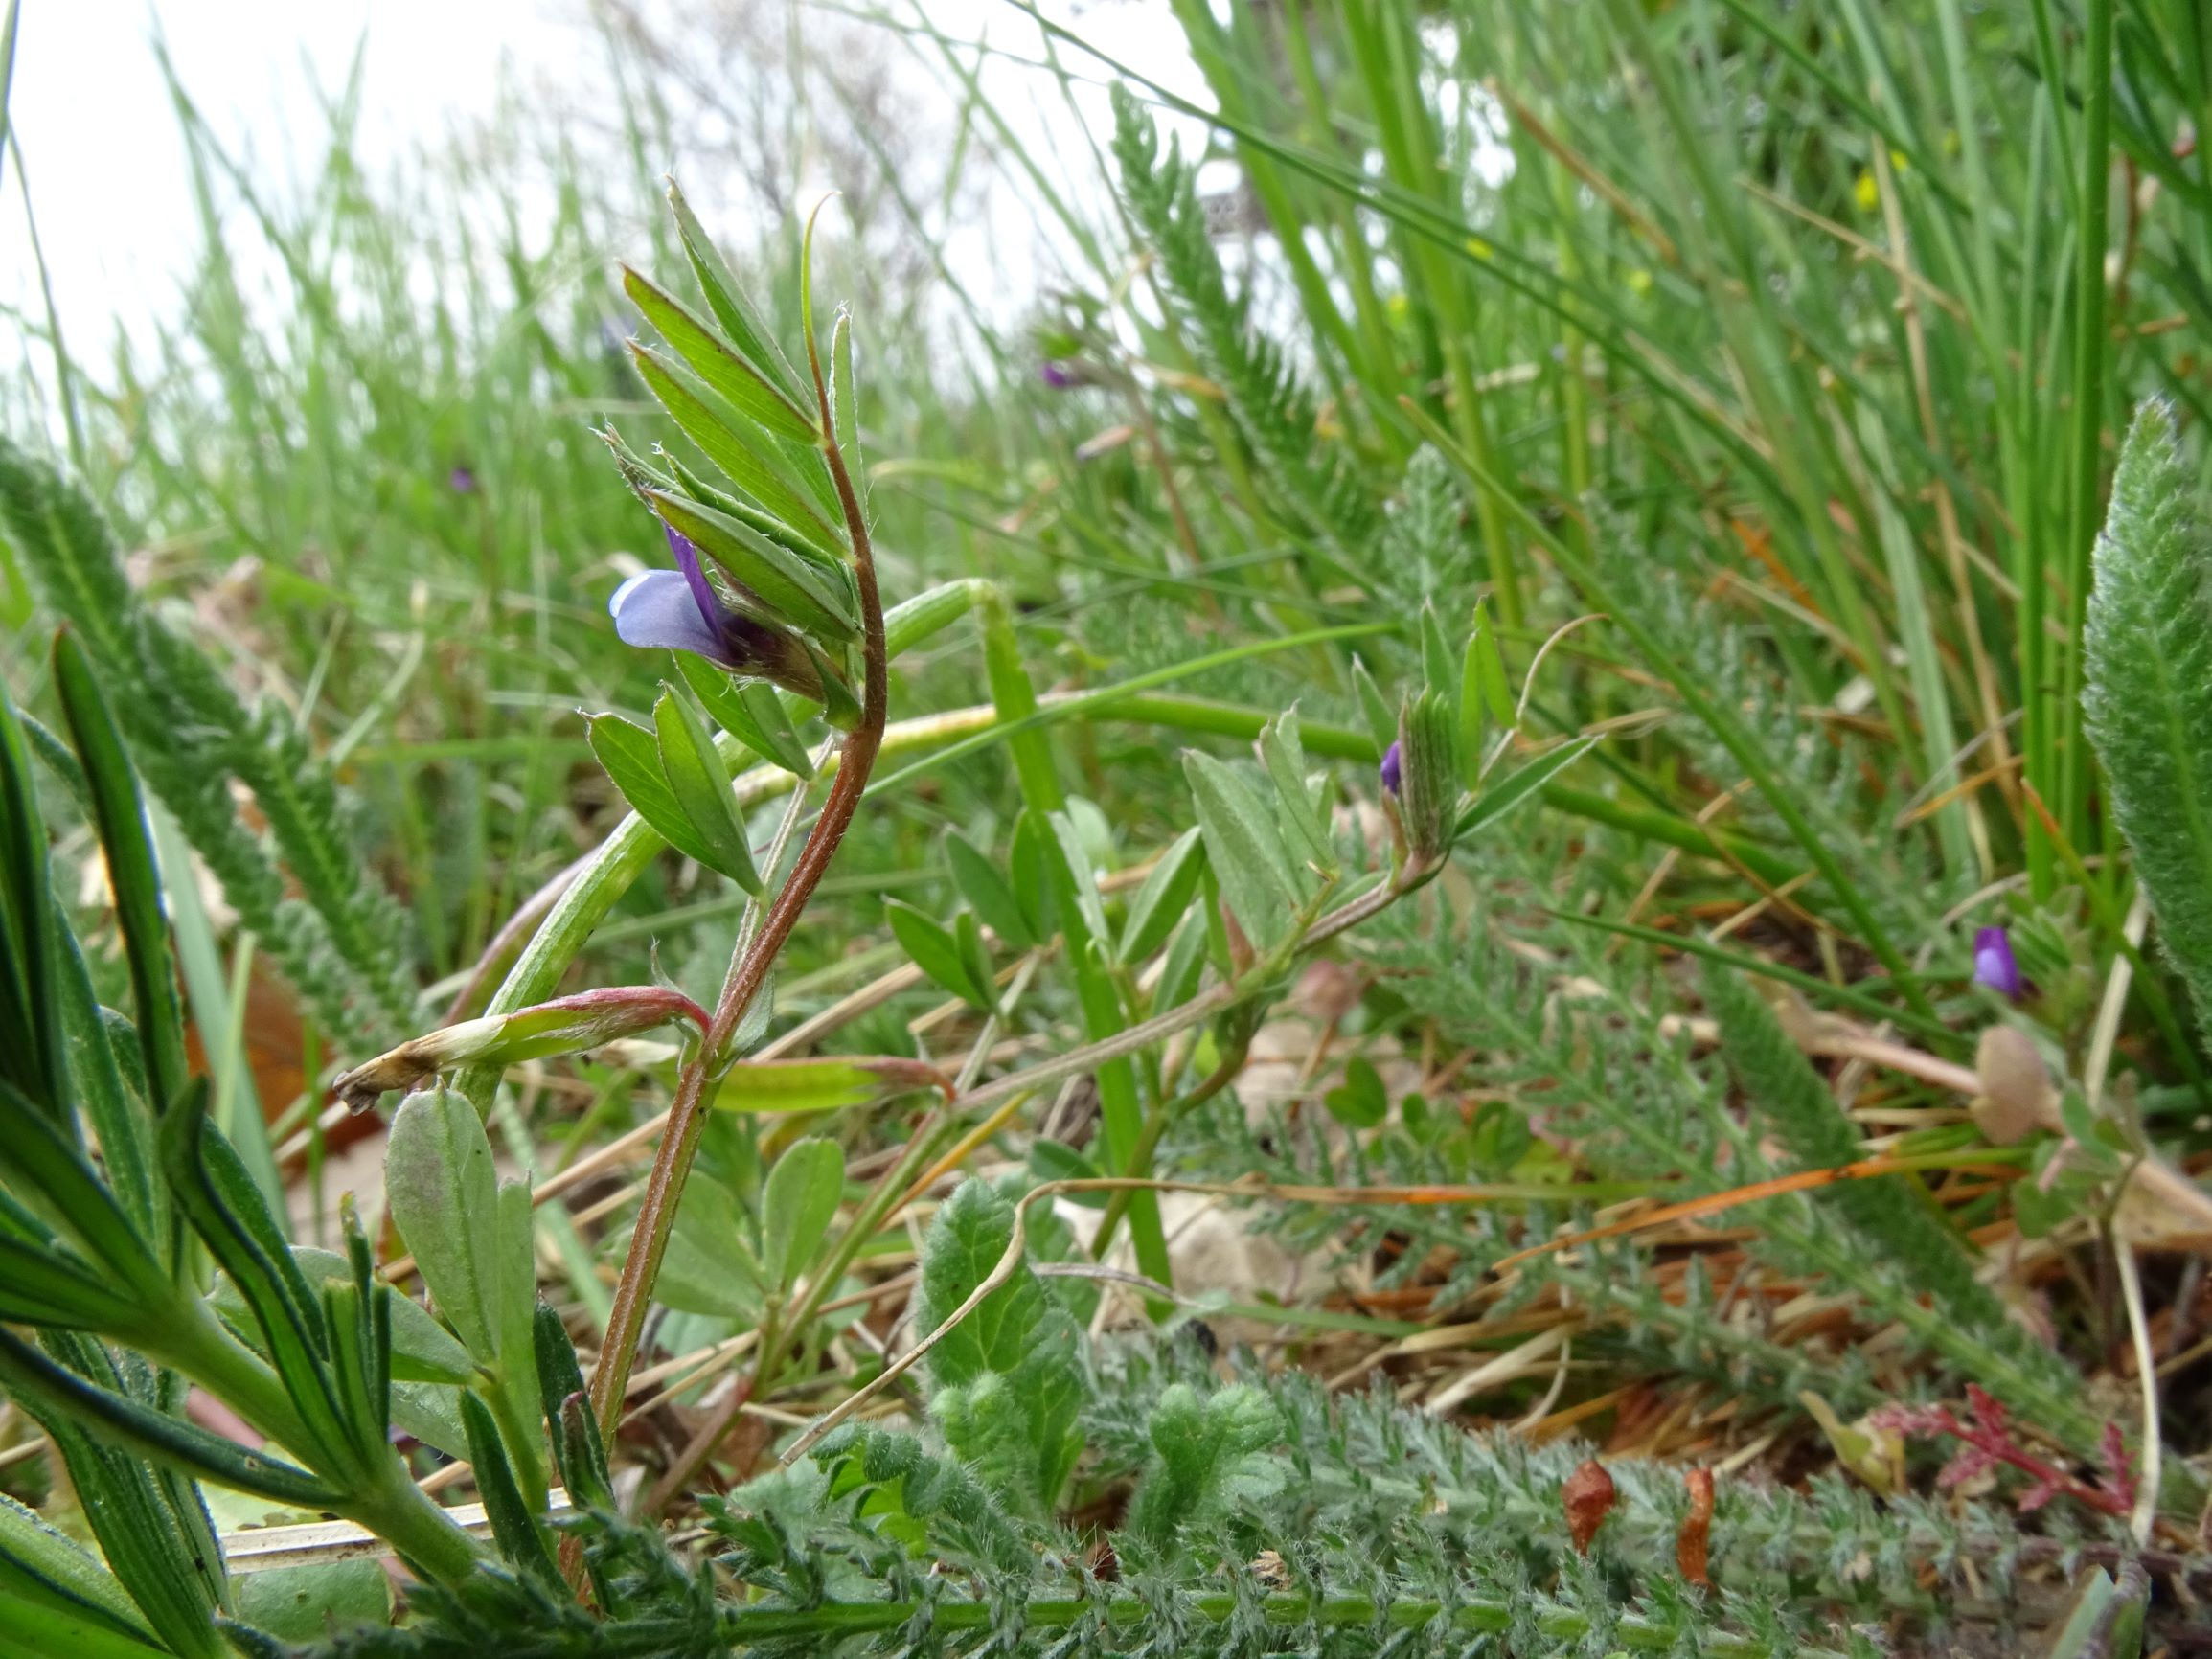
(681, 610)
(1055, 374)
(1994, 964)
(1393, 769)
(461, 481)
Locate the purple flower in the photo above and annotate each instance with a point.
(1393, 769)
(1055, 374)
(1994, 964)
(680, 610)
(460, 481)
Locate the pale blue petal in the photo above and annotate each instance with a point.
(656, 609)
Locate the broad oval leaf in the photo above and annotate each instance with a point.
(445, 1200)
(1243, 850)
(800, 1201)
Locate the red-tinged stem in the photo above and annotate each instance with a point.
(687, 1117)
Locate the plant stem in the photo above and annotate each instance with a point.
(1156, 1121)
(2089, 402)
(828, 1618)
(390, 1505)
(749, 971)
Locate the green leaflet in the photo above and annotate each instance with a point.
(439, 1180)
(1375, 708)
(711, 1265)
(749, 711)
(939, 953)
(1075, 882)
(701, 783)
(797, 1206)
(721, 364)
(1243, 850)
(796, 587)
(631, 756)
(748, 458)
(986, 892)
(1521, 784)
(728, 302)
(1164, 897)
(2148, 691)
(1304, 820)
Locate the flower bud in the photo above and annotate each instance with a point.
(1428, 776)
(565, 1025)
(1993, 962)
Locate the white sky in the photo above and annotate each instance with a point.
(101, 141)
(105, 163)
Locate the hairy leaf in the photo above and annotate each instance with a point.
(2148, 691)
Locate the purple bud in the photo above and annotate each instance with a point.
(460, 481)
(1994, 964)
(1393, 769)
(1055, 374)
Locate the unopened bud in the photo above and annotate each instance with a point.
(1428, 776)
(565, 1025)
